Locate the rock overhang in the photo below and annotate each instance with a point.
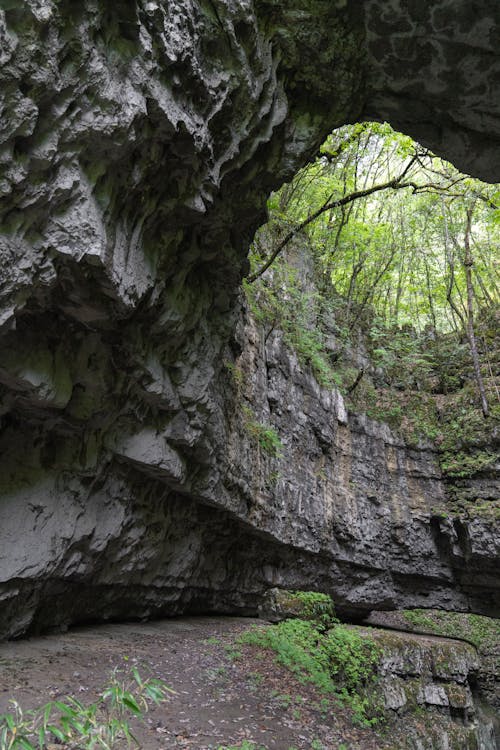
(138, 145)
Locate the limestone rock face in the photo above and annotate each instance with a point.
(348, 490)
(431, 683)
(138, 141)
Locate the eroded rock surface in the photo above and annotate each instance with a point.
(431, 683)
(138, 143)
(434, 72)
(351, 491)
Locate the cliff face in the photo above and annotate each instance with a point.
(344, 487)
(138, 143)
(274, 485)
(431, 684)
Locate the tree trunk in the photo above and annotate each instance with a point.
(471, 334)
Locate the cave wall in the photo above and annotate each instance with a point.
(374, 510)
(434, 72)
(138, 144)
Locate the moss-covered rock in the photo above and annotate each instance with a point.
(429, 690)
(280, 604)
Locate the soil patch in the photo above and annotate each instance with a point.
(225, 693)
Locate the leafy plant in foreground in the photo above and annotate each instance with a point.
(69, 722)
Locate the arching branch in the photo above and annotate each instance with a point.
(395, 183)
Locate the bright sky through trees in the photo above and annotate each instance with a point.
(401, 249)
(396, 234)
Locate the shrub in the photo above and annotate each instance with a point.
(316, 607)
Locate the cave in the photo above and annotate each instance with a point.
(139, 144)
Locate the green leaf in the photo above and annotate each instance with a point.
(137, 676)
(47, 711)
(25, 744)
(53, 729)
(9, 720)
(131, 703)
(42, 737)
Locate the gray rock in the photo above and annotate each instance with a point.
(435, 695)
(394, 695)
(430, 683)
(138, 143)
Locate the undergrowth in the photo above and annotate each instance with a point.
(338, 662)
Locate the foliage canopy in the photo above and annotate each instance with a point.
(378, 237)
(397, 246)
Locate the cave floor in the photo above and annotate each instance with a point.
(225, 693)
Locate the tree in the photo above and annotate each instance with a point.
(389, 231)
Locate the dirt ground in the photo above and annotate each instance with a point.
(225, 693)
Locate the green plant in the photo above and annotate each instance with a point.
(212, 641)
(339, 661)
(69, 722)
(236, 373)
(461, 464)
(308, 343)
(483, 632)
(391, 412)
(232, 652)
(265, 435)
(324, 706)
(352, 661)
(436, 513)
(317, 607)
(296, 645)
(284, 700)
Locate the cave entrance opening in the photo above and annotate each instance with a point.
(378, 240)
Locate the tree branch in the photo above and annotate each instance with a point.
(395, 183)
